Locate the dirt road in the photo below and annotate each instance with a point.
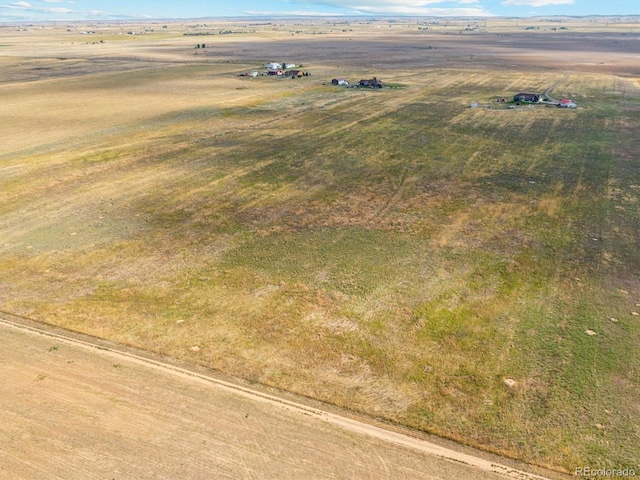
(76, 410)
(547, 93)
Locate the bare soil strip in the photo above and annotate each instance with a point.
(438, 461)
(547, 93)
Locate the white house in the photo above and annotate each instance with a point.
(273, 66)
(289, 65)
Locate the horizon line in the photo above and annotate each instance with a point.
(324, 17)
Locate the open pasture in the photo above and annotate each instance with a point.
(391, 251)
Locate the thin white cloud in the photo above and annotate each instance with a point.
(23, 10)
(537, 3)
(18, 5)
(403, 7)
(292, 13)
(425, 11)
(27, 7)
(406, 7)
(371, 4)
(56, 10)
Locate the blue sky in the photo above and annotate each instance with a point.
(68, 10)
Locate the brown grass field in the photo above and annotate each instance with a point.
(391, 251)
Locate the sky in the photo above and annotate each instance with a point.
(103, 10)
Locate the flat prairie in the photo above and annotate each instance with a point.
(472, 273)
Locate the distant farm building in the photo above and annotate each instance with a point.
(373, 83)
(339, 81)
(276, 72)
(273, 66)
(289, 65)
(566, 103)
(294, 73)
(527, 97)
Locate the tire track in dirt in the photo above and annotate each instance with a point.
(547, 93)
(394, 197)
(356, 426)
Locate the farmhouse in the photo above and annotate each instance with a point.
(566, 103)
(339, 81)
(527, 97)
(273, 66)
(372, 83)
